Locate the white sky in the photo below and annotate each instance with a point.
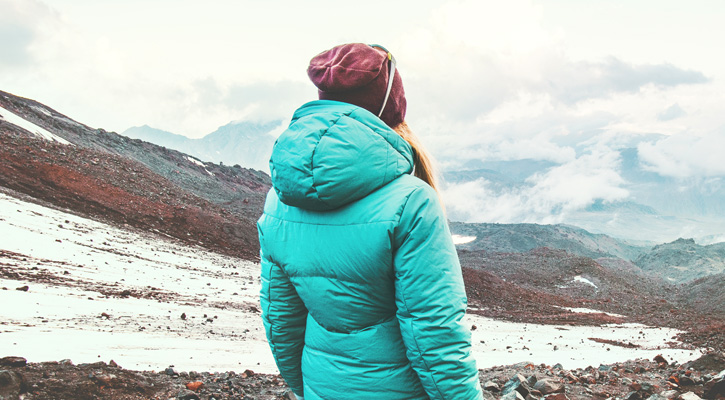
(484, 79)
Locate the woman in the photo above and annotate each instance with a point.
(362, 295)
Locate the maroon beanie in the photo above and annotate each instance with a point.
(356, 73)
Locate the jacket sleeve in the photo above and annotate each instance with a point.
(284, 316)
(431, 301)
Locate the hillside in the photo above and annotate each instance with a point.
(519, 238)
(683, 260)
(125, 181)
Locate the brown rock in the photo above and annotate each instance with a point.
(13, 361)
(194, 385)
(12, 384)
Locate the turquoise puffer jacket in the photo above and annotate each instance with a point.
(362, 295)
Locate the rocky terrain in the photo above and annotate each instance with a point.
(654, 379)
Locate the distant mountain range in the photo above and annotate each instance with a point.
(677, 262)
(236, 143)
(658, 208)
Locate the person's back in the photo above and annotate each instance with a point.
(362, 295)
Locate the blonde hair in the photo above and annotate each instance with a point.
(423, 164)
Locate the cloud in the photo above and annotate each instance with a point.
(21, 24)
(545, 198)
(685, 156)
(672, 112)
(578, 81)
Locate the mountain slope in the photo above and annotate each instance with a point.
(114, 178)
(519, 238)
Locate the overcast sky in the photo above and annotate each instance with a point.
(492, 80)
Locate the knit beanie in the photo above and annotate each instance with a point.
(357, 73)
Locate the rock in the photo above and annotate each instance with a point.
(170, 371)
(515, 384)
(513, 395)
(183, 316)
(488, 396)
(557, 396)
(548, 386)
(23, 288)
(113, 364)
(632, 396)
(710, 361)
(13, 361)
(657, 397)
(689, 396)
(670, 394)
(686, 381)
(715, 388)
(12, 384)
(491, 386)
(659, 359)
(647, 387)
(187, 395)
(194, 385)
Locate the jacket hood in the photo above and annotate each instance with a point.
(334, 153)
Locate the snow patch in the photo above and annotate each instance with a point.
(459, 239)
(29, 126)
(586, 281)
(195, 161)
(590, 311)
(505, 343)
(199, 163)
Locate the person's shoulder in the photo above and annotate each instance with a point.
(413, 186)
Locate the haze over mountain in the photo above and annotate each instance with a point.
(617, 194)
(243, 143)
(613, 191)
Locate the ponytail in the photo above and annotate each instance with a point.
(422, 161)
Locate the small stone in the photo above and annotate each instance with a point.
(187, 395)
(23, 288)
(194, 385)
(183, 316)
(659, 359)
(548, 386)
(632, 396)
(170, 371)
(557, 396)
(491, 386)
(513, 395)
(689, 396)
(670, 394)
